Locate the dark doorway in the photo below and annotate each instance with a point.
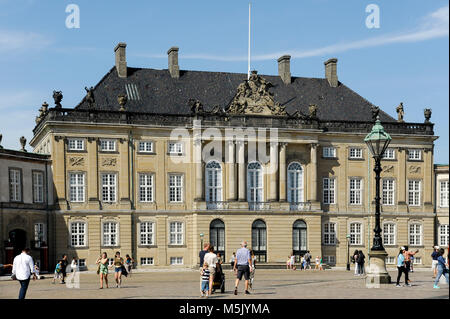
(299, 244)
(18, 240)
(259, 240)
(217, 237)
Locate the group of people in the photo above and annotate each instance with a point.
(121, 267)
(358, 258)
(439, 265)
(305, 262)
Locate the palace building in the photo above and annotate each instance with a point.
(153, 163)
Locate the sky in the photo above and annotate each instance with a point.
(404, 59)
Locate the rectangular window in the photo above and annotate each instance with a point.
(329, 152)
(145, 147)
(78, 234)
(388, 192)
(109, 188)
(389, 154)
(355, 152)
(146, 188)
(38, 187)
(443, 194)
(415, 234)
(355, 234)
(175, 148)
(389, 234)
(175, 188)
(147, 233)
(75, 144)
(76, 187)
(107, 145)
(110, 233)
(329, 234)
(176, 260)
(414, 193)
(355, 191)
(15, 185)
(329, 190)
(417, 261)
(414, 154)
(176, 233)
(443, 235)
(81, 263)
(146, 261)
(329, 260)
(390, 260)
(39, 234)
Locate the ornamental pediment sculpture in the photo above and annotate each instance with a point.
(414, 169)
(109, 162)
(76, 161)
(388, 168)
(253, 97)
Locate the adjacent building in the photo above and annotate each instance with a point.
(442, 194)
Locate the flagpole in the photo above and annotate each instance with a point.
(249, 19)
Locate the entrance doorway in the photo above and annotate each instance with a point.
(299, 239)
(217, 237)
(259, 240)
(18, 240)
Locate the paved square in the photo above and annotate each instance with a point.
(269, 283)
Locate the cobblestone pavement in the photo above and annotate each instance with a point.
(269, 283)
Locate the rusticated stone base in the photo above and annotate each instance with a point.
(376, 272)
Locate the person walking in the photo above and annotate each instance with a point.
(242, 266)
(288, 262)
(401, 268)
(219, 258)
(252, 271)
(64, 263)
(308, 259)
(74, 265)
(36, 271)
(408, 255)
(102, 270)
(211, 259)
(57, 273)
(361, 260)
(232, 260)
(434, 263)
(204, 278)
(201, 256)
(129, 264)
(317, 263)
(441, 268)
(292, 261)
(118, 269)
(355, 261)
(23, 268)
(321, 263)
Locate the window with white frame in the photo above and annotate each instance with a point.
(329, 260)
(414, 192)
(415, 234)
(176, 188)
(213, 182)
(78, 234)
(146, 187)
(329, 152)
(145, 147)
(443, 235)
(39, 234)
(355, 191)
(389, 154)
(295, 183)
(15, 185)
(417, 261)
(254, 182)
(109, 181)
(110, 234)
(414, 154)
(76, 187)
(175, 148)
(443, 193)
(356, 152)
(176, 260)
(389, 233)
(146, 261)
(388, 191)
(329, 233)
(107, 145)
(390, 260)
(75, 144)
(329, 191)
(176, 233)
(355, 234)
(147, 233)
(38, 187)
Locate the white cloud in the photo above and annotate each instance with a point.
(11, 41)
(434, 25)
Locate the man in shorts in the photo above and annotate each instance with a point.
(243, 266)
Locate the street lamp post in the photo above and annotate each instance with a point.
(201, 240)
(348, 252)
(377, 141)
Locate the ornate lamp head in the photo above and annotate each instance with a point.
(377, 140)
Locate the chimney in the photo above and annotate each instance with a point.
(121, 59)
(331, 72)
(174, 69)
(284, 68)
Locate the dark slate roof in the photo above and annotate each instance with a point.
(160, 93)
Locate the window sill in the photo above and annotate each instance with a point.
(414, 160)
(176, 246)
(175, 154)
(356, 159)
(389, 159)
(108, 152)
(147, 246)
(146, 153)
(330, 158)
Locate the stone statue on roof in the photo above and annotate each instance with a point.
(427, 114)
(57, 97)
(196, 106)
(90, 99)
(400, 112)
(375, 111)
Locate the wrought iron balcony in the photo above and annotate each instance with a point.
(253, 206)
(216, 205)
(300, 206)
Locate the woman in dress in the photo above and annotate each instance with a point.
(129, 264)
(102, 263)
(118, 266)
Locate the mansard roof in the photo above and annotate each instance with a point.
(155, 91)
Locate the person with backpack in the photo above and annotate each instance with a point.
(441, 268)
(361, 261)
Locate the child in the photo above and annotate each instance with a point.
(288, 262)
(304, 262)
(36, 271)
(321, 264)
(57, 271)
(317, 263)
(205, 280)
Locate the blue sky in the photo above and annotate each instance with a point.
(405, 60)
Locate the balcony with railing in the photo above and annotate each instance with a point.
(256, 206)
(300, 206)
(217, 205)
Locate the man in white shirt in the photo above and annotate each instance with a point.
(211, 259)
(23, 267)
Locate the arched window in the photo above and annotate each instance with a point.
(213, 182)
(259, 240)
(299, 244)
(254, 182)
(217, 236)
(295, 183)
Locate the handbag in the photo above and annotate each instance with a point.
(124, 271)
(98, 269)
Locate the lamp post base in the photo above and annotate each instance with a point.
(377, 273)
